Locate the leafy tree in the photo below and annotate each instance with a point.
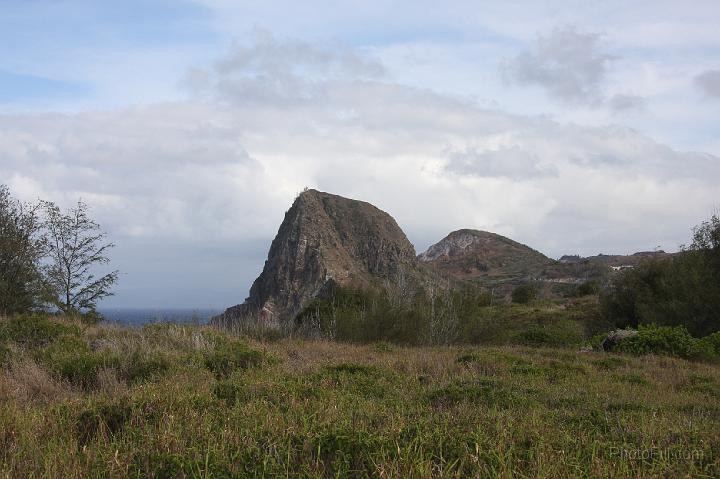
(683, 290)
(76, 246)
(21, 247)
(524, 293)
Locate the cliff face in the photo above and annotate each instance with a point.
(323, 238)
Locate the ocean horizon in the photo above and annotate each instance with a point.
(142, 316)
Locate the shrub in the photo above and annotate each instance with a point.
(34, 330)
(470, 357)
(587, 288)
(596, 340)
(70, 358)
(524, 293)
(146, 366)
(229, 356)
(562, 333)
(669, 341)
(103, 417)
(713, 341)
(351, 368)
(4, 353)
(229, 391)
(480, 391)
(382, 347)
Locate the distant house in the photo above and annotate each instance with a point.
(621, 267)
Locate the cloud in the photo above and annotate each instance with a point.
(568, 64)
(620, 103)
(709, 83)
(507, 162)
(270, 70)
(219, 170)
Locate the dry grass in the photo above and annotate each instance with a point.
(323, 409)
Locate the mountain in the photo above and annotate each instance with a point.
(324, 239)
(468, 254)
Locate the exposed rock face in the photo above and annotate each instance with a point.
(615, 337)
(324, 238)
(468, 254)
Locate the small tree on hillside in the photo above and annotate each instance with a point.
(524, 293)
(76, 246)
(21, 247)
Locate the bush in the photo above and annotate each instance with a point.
(233, 355)
(4, 353)
(34, 330)
(524, 293)
(596, 340)
(557, 334)
(229, 391)
(587, 288)
(103, 417)
(480, 391)
(146, 366)
(351, 368)
(70, 358)
(669, 341)
(714, 342)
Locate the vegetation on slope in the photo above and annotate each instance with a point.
(683, 290)
(177, 401)
(461, 316)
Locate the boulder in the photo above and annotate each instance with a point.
(614, 337)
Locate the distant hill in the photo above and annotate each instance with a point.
(616, 260)
(471, 254)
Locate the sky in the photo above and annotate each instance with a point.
(188, 127)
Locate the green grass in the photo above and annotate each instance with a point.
(175, 401)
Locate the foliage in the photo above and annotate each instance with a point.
(71, 359)
(4, 353)
(232, 355)
(670, 341)
(586, 288)
(451, 317)
(344, 410)
(146, 365)
(105, 417)
(51, 259)
(562, 333)
(229, 391)
(21, 247)
(34, 329)
(524, 293)
(683, 290)
(76, 246)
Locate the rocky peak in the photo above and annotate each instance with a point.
(458, 243)
(323, 238)
(468, 253)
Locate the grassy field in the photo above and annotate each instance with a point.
(175, 401)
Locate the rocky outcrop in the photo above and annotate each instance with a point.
(615, 337)
(323, 239)
(468, 254)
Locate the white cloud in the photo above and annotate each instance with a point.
(222, 168)
(508, 162)
(569, 64)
